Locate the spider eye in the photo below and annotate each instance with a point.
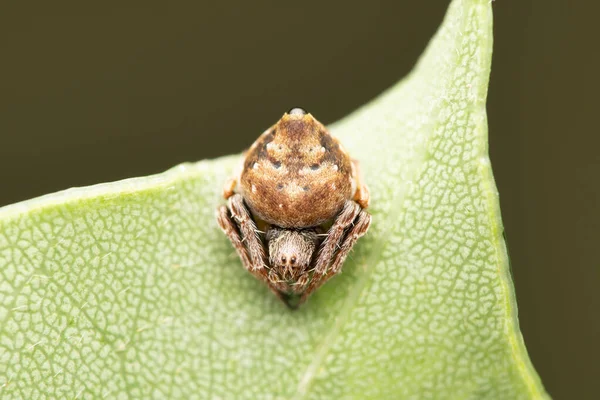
(283, 259)
(297, 111)
(293, 260)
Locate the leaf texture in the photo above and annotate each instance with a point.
(129, 289)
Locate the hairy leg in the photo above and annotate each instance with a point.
(360, 227)
(334, 236)
(252, 260)
(248, 231)
(299, 286)
(230, 229)
(333, 245)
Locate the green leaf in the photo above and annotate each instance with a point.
(129, 289)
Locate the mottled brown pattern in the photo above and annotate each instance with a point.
(291, 168)
(296, 207)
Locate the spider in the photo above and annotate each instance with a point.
(296, 208)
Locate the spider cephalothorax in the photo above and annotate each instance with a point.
(299, 183)
(291, 251)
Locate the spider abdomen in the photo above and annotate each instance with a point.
(296, 174)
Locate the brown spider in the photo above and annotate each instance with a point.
(300, 187)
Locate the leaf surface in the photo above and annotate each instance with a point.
(129, 289)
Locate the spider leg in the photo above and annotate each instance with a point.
(300, 285)
(248, 230)
(330, 245)
(230, 229)
(334, 236)
(229, 188)
(278, 286)
(361, 196)
(230, 185)
(360, 227)
(249, 249)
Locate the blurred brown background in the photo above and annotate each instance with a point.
(97, 93)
